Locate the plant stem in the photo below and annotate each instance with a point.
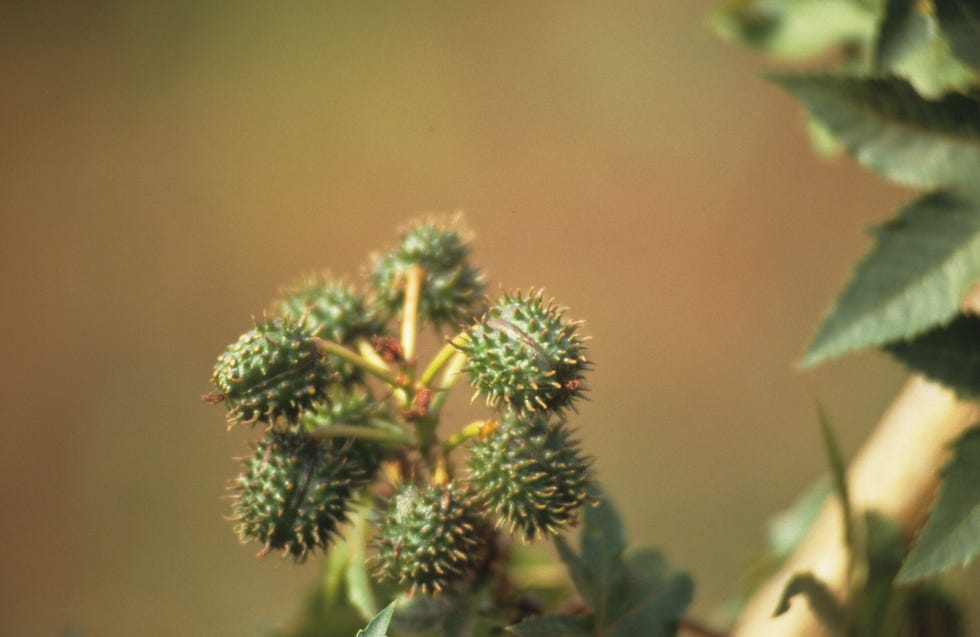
(381, 372)
(410, 310)
(471, 430)
(441, 358)
(895, 474)
(363, 433)
(370, 354)
(451, 372)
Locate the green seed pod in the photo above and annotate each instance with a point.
(531, 473)
(429, 537)
(355, 407)
(334, 311)
(295, 492)
(451, 290)
(523, 353)
(272, 371)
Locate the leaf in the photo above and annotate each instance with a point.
(333, 572)
(552, 626)
(960, 21)
(951, 536)
(949, 354)
(821, 600)
(378, 626)
(903, 28)
(630, 596)
(795, 29)
(657, 598)
(922, 265)
(603, 541)
(890, 129)
(359, 591)
(577, 569)
(786, 529)
(838, 473)
(822, 141)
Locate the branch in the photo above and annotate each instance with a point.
(895, 474)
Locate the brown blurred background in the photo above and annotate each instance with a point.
(167, 166)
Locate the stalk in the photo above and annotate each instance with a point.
(895, 474)
(378, 371)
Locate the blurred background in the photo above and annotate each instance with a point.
(166, 167)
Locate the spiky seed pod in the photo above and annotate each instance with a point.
(532, 474)
(272, 371)
(428, 537)
(335, 311)
(451, 291)
(351, 406)
(295, 492)
(522, 352)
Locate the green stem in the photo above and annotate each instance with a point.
(471, 430)
(383, 373)
(425, 436)
(370, 354)
(442, 357)
(363, 433)
(450, 374)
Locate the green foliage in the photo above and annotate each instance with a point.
(821, 600)
(523, 353)
(795, 29)
(629, 594)
(949, 354)
(911, 45)
(891, 129)
(530, 472)
(378, 626)
(272, 371)
(960, 22)
(922, 265)
(951, 537)
(838, 474)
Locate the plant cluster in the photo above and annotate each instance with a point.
(352, 444)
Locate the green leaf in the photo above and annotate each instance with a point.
(656, 601)
(786, 529)
(603, 541)
(903, 29)
(378, 626)
(552, 626)
(890, 129)
(333, 572)
(822, 141)
(795, 29)
(821, 600)
(359, 591)
(577, 569)
(960, 21)
(951, 536)
(949, 354)
(838, 473)
(915, 277)
(630, 596)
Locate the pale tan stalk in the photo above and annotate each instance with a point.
(895, 474)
